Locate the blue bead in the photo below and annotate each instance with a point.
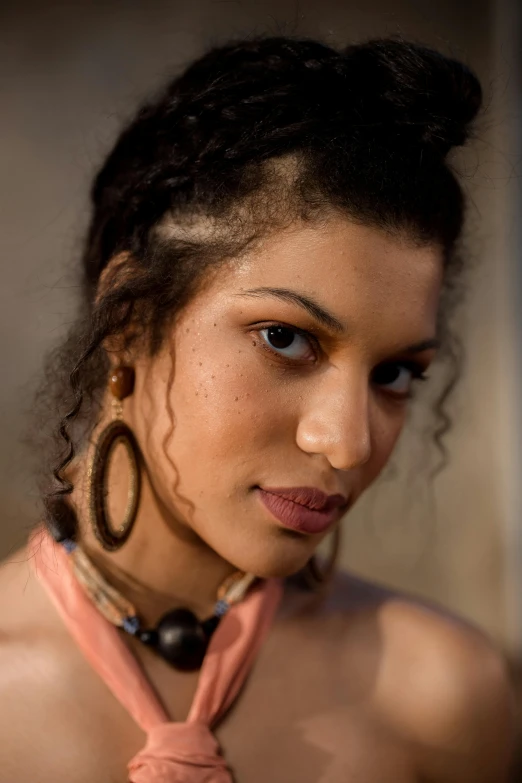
(221, 608)
(131, 625)
(69, 545)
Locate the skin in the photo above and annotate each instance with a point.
(403, 692)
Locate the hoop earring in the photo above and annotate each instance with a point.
(316, 575)
(121, 384)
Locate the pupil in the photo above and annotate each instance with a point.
(280, 337)
(387, 374)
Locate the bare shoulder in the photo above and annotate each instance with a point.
(26, 672)
(22, 608)
(32, 666)
(25, 612)
(45, 682)
(438, 680)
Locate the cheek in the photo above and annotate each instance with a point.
(220, 400)
(387, 426)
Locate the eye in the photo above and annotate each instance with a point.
(398, 377)
(288, 342)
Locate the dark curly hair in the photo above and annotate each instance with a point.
(250, 137)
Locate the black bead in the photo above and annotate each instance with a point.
(149, 637)
(181, 640)
(61, 519)
(210, 624)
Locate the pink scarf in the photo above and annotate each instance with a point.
(174, 752)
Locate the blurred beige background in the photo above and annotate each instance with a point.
(70, 74)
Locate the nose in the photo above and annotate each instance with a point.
(336, 420)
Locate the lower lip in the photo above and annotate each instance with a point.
(298, 517)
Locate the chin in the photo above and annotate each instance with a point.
(275, 561)
(280, 573)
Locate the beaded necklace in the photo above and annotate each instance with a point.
(179, 636)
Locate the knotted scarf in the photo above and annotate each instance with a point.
(175, 752)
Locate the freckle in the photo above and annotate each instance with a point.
(228, 365)
(215, 324)
(212, 376)
(197, 394)
(254, 342)
(187, 330)
(236, 399)
(193, 350)
(201, 364)
(206, 395)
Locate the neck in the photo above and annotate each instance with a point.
(163, 565)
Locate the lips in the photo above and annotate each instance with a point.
(305, 509)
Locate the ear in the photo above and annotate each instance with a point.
(115, 273)
(117, 270)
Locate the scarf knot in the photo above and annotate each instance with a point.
(179, 753)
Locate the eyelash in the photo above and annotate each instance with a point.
(417, 370)
(418, 374)
(312, 339)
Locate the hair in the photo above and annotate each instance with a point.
(252, 136)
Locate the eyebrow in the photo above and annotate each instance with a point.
(322, 315)
(306, 302)
(425, 345)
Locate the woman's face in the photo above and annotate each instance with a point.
(293, 368)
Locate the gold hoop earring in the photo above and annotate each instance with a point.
(316, 574)
(121, 384)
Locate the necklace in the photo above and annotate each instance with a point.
(179, 637)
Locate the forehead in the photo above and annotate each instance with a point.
(362, 274)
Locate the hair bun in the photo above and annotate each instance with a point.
(435, 97)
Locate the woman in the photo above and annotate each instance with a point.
(265, 276)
